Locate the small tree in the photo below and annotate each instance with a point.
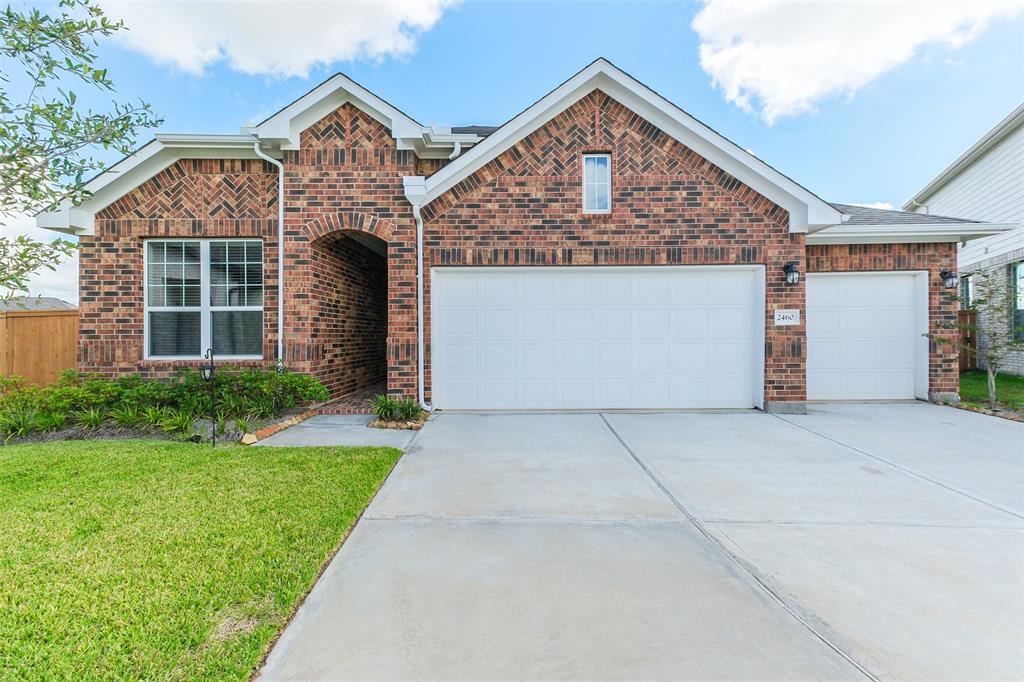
(47, 138)
(995, 325)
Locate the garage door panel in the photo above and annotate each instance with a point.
(689, 322)
(576, 322)
(499, 357)
(657, 337)
(825, 322)
(651, 323)
(689, 357)
(536, 322)
(498, 323)
(864, 336)
(730, 321)
(539, 391)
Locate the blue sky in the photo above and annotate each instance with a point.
(845, 120)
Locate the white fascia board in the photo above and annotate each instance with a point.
(902, 234)
(285, 126)
(805, 208)
(979, 149)
(137, 168)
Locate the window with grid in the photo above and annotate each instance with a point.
(204, 294)
(1017, 274)
(597, 183)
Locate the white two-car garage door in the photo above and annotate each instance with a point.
(597, 337)
(866, 336)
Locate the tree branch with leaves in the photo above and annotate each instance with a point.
(995, 325)
(48, 139)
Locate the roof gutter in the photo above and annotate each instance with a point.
(415, 188)
(280, 251)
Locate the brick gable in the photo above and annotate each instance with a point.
(669, 207)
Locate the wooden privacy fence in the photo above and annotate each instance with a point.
(966, 318)
(38, 344)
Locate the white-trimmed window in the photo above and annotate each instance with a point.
(597, 183)
(204, 293)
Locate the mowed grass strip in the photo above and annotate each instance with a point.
(1009, 389)
(142, 559)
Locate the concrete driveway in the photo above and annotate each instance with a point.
(855, 542)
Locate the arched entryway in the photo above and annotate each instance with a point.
(348, 300)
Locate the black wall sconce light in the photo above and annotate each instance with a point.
(207, 373)
(792, 274)
(950, 279)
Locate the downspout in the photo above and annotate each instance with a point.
(280, 252)
(456, 151)
(420, 343)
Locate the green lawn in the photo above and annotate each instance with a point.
(1009, 389)
(157, 560)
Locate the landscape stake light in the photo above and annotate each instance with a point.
(207, 373)
(792, 274)
(950, 279)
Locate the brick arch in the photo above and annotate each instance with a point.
(349, 221)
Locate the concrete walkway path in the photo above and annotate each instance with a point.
(338, 429)
(856, 542)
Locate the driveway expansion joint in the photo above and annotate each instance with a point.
(906, 470)
(744, 566)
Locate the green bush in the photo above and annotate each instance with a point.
(51, 421)
(18, 422)
(385, 407)
(133, 401)
(91, 417)
(396, 409)
(127, 415)
(408, 410)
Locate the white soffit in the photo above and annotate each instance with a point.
(905, 233)
(136, 168)
(286, 125)
(805, 208)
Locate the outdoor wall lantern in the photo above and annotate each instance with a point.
(950, 279)
(792, 274)
(207, 373)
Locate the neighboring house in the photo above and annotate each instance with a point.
(36, 303)
(987, 183)
(602, 249)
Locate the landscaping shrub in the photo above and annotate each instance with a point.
(385, 407)
(391, 409)
(249, 394)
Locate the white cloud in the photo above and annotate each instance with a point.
(273, 38)
(783, 57)
(62, 282)
(884, 205)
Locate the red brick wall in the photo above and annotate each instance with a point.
(943, 369)
(349, 297)
(669, 207)
(347, 175)
(191, 198)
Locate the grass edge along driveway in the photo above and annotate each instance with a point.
(1009, 389)
(147, 559)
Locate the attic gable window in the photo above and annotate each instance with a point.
(597, 183)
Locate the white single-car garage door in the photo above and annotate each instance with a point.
(597, 337)
(865, 336)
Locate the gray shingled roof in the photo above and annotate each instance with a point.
(861, 215)
(34, 303)
(482, 131)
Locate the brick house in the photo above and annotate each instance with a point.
(602, 249)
